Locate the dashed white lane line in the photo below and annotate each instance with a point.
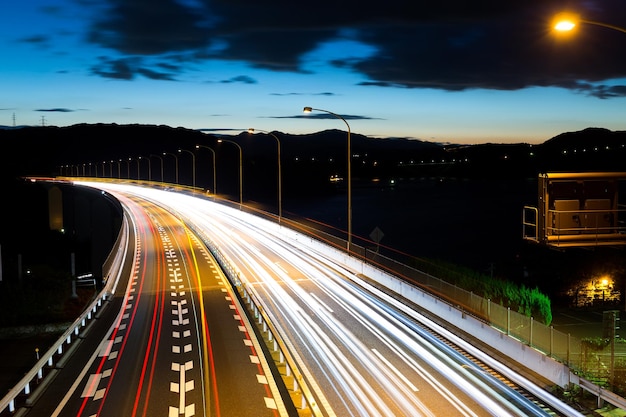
(106, 348)
(92, 385)
(270, 403)
(182, 387)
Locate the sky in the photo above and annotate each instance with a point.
(453, 71)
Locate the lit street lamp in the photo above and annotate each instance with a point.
(193, 165)
(349, 173)
(138, 168)
(240, 169)
(214, 170)
(280, 176)
(565, 22)
(176, 166)
(149, 167)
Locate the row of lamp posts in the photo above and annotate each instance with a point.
(562, 23)
(251, 131)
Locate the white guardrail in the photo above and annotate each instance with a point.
(57, 353)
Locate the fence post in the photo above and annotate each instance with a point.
(508, 321)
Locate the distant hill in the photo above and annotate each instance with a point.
(312, 158)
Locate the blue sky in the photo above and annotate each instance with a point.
(454, 71)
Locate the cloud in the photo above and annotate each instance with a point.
(327, 94)
(454, 45)
(128, 69)
(56, 109)
(244, 79)
(325, 116)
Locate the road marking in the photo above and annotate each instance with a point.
(182, 387)
(99, 394)
(270, 403)
(106, 348)
(92, 385)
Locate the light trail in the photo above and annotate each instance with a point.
(361, 349)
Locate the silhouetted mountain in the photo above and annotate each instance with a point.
(308, 160)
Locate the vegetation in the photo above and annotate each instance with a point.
(528, 301)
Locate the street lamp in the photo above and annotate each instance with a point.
(157, 156)
(149, 167)
(280, 193)
(138, 168)
(240, 168)
(193, 165)
(349, 173)
(176, 159)
(565, 22)
(214, 170)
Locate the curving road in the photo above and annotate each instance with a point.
(179, 343)
(361, 351)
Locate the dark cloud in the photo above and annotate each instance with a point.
(148, 27)
(128, 69)
(326, 116)
(36, 40)
(57, 109)
(244, 79)
(453, 45)
(602, 91)
(327, 94)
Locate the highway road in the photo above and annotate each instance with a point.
(176, 343)
(360, 351)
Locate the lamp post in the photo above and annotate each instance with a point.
(193, 166)
(127, 169)
(240, 168)
(138, 173)
(214, 170)
(349, 170)
(565, 22)
(149, 166)
(176, 162)
(119, 169)
(157, 156)
(280, 176)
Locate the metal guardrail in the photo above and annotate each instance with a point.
(58, 352)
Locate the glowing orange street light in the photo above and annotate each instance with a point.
(566, 22)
